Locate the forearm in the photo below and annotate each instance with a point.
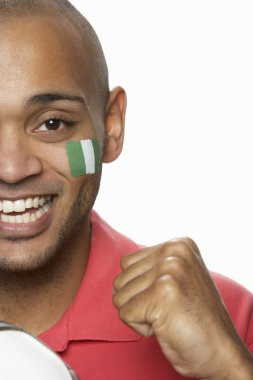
(237, 366)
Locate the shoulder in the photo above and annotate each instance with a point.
(232, 293)
(105, 235)
(239, 303)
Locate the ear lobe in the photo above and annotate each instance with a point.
(114, 124)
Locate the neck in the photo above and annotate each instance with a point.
(36, 300)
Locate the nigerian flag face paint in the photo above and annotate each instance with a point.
(83, 157)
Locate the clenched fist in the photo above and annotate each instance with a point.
(167, 291)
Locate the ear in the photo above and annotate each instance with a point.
(114, 124)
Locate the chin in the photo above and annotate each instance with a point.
(24, 262)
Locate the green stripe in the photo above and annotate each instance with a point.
(76, 159)
(96, 153)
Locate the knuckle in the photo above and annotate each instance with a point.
(182, 249)
(162, 268)
(118, 282)
(176, 248)
(123, 262)
(192, 244)
(115, 301)
(165, 286)
(119, 300)
(176, 266)
(125, 314)
(164, 249)
(167, 266)
(127, 261)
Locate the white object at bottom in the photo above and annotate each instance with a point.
(24, 357)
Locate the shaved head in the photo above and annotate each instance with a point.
(53, 89)
(63, 10)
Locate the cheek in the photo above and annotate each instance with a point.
(76, 158)
(56, 159)
(83, 156)
(73, 160)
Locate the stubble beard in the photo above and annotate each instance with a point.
(58, 253)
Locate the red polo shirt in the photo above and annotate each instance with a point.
(97, 345)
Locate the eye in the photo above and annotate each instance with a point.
(54, 124)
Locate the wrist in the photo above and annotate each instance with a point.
(236, 364)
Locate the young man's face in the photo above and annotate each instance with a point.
(36, 58)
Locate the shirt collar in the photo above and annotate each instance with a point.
(92, 315)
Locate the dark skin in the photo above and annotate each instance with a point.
(167, 291)
(161, 288)
(44, 272)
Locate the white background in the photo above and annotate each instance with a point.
(187, 164)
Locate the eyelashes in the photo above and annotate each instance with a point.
(55, 125)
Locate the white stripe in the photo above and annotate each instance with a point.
(89, 157)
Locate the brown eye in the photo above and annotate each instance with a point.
(53, 124)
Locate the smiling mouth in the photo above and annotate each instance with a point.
(23, 211)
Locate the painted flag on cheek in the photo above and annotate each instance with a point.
(83, 157)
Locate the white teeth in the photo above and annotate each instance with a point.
(4, 218)
(46, 207)
(24, 218)
(12, 219)
(28, 203)
(42, 201)
(8, 206)
(39, 213)
(19, 206)
(27, 218)
(19, 219)
(36, 202)
(33, 218)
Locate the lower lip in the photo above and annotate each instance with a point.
(27, 230)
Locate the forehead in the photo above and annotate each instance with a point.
(40, 53)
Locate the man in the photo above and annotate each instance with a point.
(59, 259)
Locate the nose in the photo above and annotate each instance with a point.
(18, 158)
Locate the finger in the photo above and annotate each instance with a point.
(133, 258)
(171, 266)
(137, 269)
(185, 248)
(139, 263)
(131, 289)
(148, 305)
(180, 245)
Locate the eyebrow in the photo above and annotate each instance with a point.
(50, 97)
